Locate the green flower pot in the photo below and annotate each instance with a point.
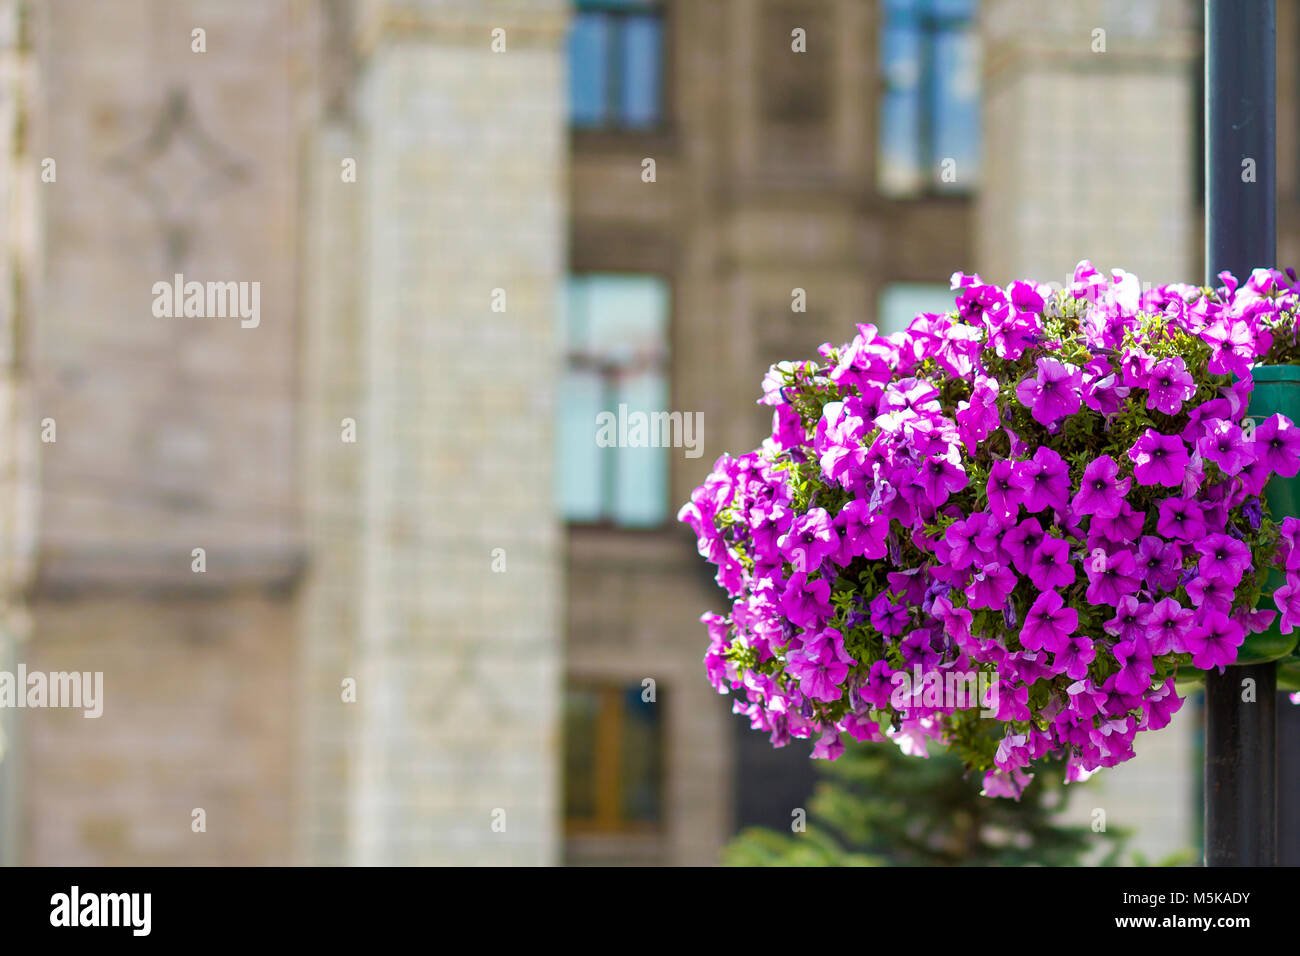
(1288, 674)
(1277, 389)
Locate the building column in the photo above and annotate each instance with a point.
(1091, 136)
(462, 181)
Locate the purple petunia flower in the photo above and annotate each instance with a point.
(1127, 624)
(887, 617)
(1214, 642)
(1121, 528)
(1159, 563)
(1053, 393)
(1102, 391)
(1004, 495)
(1181, 518)
(1136, 666)
(1074, 657)
(1253, 512)
(1290, 528)
(1169, 385)
(978, 418)
(1224, 557)
(1287, 599)
(1277, 445)
(1049, 624)
(991, 587)
(1211, 592)
(1232, 348)
(1221, 442)
(955, 620)
(1158, 459)
(1050, 565)
(806, 603)
(864, 532)
(1110, 576)
(940, 476)
(958, 547)
(1160, 706)
(1022, 541)
(809, 541)
(821, 665)
(1137, 366)
(1099, 492)
(1166, 624)
(1044, 481)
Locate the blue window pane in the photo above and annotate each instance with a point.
(954, 9)
(641, 81)
(929, 112)
(589, 43)
(580, 461)
(901, 302)
(616, 51)
(627, 316)
(900, 111)
(616, 341)
(955, 106)
(641, 473)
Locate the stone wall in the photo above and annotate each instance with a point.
(173, 433)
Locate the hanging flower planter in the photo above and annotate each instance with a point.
(1016, 528)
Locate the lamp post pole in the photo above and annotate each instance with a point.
(1240, 234)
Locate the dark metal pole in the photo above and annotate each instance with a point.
(1240, 235)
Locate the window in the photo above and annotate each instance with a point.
(901, 302)
(616, 64)
(613, 759)
(616, 347)
(929, 115)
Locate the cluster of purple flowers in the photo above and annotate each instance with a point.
(1060, 488)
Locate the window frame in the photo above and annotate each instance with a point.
(608, 819)
(611, 126)
(929, 25)
(608, 478)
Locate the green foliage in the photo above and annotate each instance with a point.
(877, 807)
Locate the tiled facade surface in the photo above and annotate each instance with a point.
(329, 605)
(1061, 120)
(458, 666)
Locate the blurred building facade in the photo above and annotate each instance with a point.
(432, 619)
